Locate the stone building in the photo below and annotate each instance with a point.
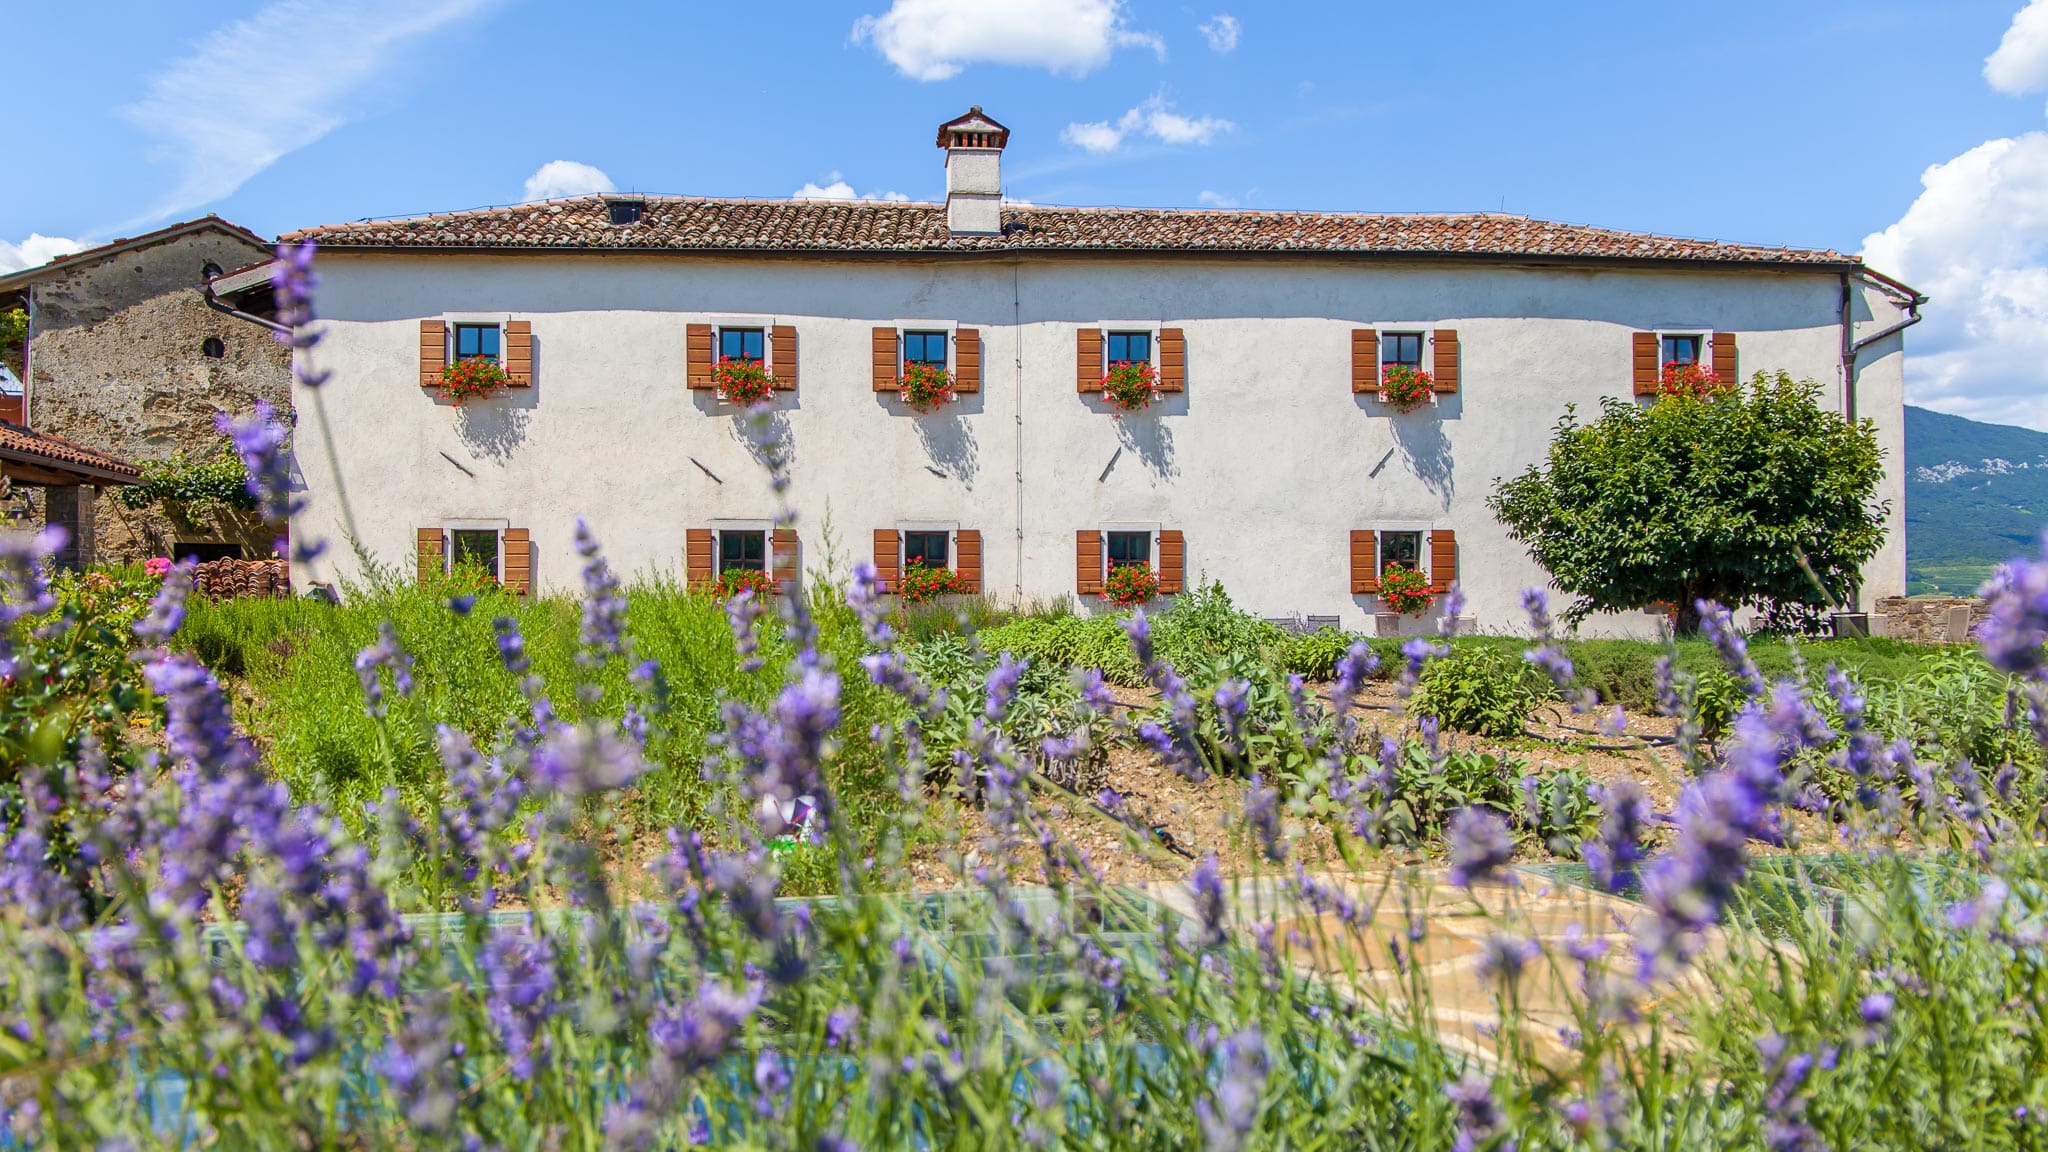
(125, 353)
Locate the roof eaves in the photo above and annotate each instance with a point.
(126, 244)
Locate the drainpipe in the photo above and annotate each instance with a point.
(214, 303)
(1851, 346)
(28, 352)
(1017, 336)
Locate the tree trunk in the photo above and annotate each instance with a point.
(1688, 623)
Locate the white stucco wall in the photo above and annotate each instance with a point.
(1265, 463)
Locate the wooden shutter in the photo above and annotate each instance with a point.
(782, 356)
(518, 562)
(1088, 359)
(1365, 360)
(1088, 562)
(697, 356)
(1724, 358)
(1365, 561)
(967, 360)
(1173, 561)
(519, 352)
(1445, 375)
(786, 565)
(888, 557)
(885, 359)
(1173, 360)
(433, 352)
(1443, 559)
(429, 547)
(1646, 364)
(967, 558)
(697, 557)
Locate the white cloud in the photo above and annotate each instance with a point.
(2020, 64)
(838, 189)
(558, 178)
(256, 89)
(1155, 118)
(1975, 241)
(1221, 31)
(1208, 199)
(37, 249)
(935, 39)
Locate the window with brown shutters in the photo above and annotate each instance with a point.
(1088, 562)
(1365, 360)
(697, 557)
(1173, 561)
(782, 356)
(697, 358)
(1173, 360)
(1444, 378)
(1724, 358)
(1088, 359)
(1646, 366)
(967, 559)
(433, 352)
(428, 549)
(1443, 559)
(519, 353)
(787, 564)
(967, 360)
(888, 557)
(884, 344)
(1365, 561)
(518, 546)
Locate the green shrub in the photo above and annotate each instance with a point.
(1429, 785)
(1558, 810)
(1481, 691)
(1315, 654)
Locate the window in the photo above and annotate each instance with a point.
(743, 549)
(1129, 548)
(212, 348)
(472, 340)
(1402, 548)
(925, 548)
(625, 211)
(1679, 349)
(927, 348)
(1402, 348)
(743, 344)
(475, 548)
(1128, 348)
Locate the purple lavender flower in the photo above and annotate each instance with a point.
(1479, 1115)
(1228, 1115)
(839, 1025)
(1002, 686)
(1983, 911)
(1480, 845)
(1262, 815)
(1417, 652)
(385, 655)
(263, 443)
(2015, 637)
(1719, 626)
(1095, 693)
(1625, 815)
(579, 760)
(520, 994)
(1503, 956)
(604, 607)
(1453, 610)
(771, 1083)
(1232, 700)
(1785, 1126)
(1536, 603)
(865, 597)
(1358, 662)
(742, 613)
(291, 285)
(24, 583)
(167, 608)
(1688, 887)
(1875, 1009)
(1206, 886)
(511, 646)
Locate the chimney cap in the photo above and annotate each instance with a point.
(976, 129)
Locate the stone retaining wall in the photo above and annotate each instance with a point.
(1933, 619)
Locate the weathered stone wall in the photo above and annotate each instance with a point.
(118, 361)
(1933, 619)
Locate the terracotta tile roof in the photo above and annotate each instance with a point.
(687, 224)
(30, 446)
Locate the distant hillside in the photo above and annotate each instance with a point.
(1976, 494)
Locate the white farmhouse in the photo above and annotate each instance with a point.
(1270, 460)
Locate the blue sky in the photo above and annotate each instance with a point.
(1810, 123)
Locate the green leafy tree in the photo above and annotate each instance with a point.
(1754, 497)
(13, 335)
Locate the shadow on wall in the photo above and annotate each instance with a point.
(1424, 447)
(948, 440)
(495, 429)
(1151, 439)
(767, 441)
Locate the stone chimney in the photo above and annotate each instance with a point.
(974, 172)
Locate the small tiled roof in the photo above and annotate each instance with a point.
(30, 446)
(691, 224)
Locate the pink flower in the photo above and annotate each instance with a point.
(157, 566)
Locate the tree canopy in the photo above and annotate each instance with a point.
(1754, 497)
